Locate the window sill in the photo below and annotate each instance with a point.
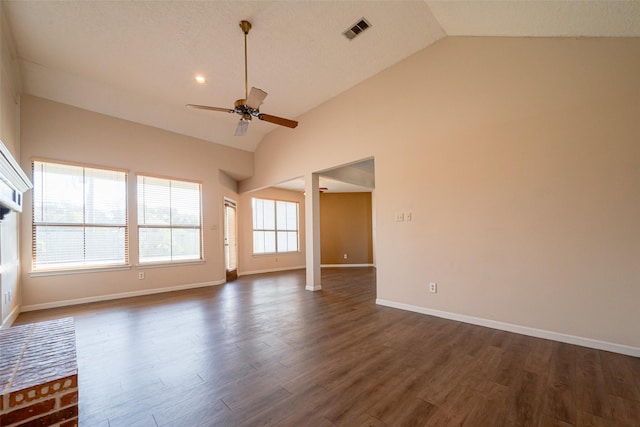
(44, 273)
(170, 264)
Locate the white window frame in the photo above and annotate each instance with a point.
(172, 258)
(85, 264)
(256, 228)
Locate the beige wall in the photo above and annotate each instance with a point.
(61, 132)
(249, 263)
(9, 134)
(520, 162)
(345, 228)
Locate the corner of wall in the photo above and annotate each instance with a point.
(8, 321)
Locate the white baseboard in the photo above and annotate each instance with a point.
(270, 270)
(100, 298)
(345, 265)
(524, 330)
(11, 318)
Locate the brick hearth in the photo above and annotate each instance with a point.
(39, 375)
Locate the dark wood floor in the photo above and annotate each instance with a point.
(263, 351)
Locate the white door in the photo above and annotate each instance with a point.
(230, 240)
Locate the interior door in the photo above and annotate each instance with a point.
(230, 240)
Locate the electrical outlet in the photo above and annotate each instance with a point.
(399, 216)
(141, 275)
(433, 287)
(345, 256)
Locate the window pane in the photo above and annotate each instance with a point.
(185, 203)
(58, 247)
(282, 241)
(269, 242)
(287, 213)
(292, 241)
(292, 216)
(59, 193)
(258, 242)
(154, 201)
(264, 242)
(269, 215)
(263, 214)
(281, 215)
(105, 197)
(185, 244)
(155, 244)
(287, 241)
(104, 245)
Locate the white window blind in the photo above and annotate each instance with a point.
(79, 217)
(169, 220)
(275, 226)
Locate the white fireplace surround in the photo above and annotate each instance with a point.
(13, 183)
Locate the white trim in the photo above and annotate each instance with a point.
(11, 318)
(270, 270)
(12, 173)
(524, 330)
(119, 296)
(313, 287)
(345, 265)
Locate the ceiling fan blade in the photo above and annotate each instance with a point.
(241, 129)
(206, 107)
(255, 98)
(278, 120)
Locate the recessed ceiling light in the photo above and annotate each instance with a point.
(201, 79)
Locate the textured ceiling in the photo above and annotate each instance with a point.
(137, 59)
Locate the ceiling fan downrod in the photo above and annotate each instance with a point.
(245, 26)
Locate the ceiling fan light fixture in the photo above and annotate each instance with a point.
(241, 128)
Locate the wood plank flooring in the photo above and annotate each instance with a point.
(263, 351)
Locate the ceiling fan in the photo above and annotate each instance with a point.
(248, 107)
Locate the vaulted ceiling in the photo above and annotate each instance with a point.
(137, 59)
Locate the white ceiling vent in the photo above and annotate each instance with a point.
(357, 28)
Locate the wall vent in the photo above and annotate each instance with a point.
(357, 28)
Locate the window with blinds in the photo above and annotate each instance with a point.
(275, 226)
(169, 220)
(79, 217)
